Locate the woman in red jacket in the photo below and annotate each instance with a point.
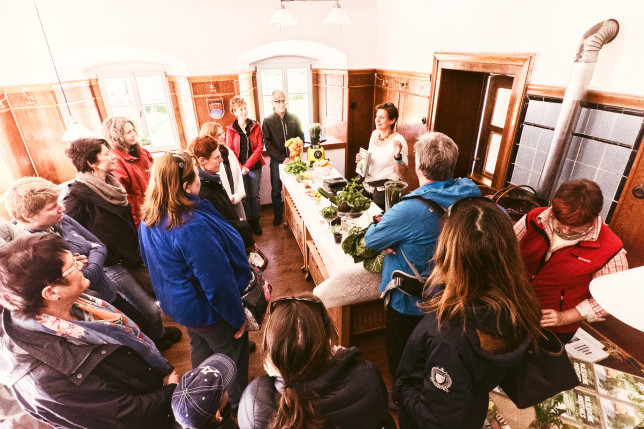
(244, 138)
(132, 161)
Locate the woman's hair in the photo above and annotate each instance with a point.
(210, 129)
(27, 265)
(83, 152)
(235, 103)
(113, 131)
(203, 146)
(392, 112)
(165, 196)
(577, 202)
(297, 340)
(28, 196)
(478, 261)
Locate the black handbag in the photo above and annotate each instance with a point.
(544, 371)
(256, 299)
(518, 200)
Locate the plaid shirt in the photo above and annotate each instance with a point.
(615, 264)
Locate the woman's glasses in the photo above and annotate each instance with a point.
(277, 301)
(76, 267)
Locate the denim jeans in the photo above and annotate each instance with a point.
(220, 338)
(276, 189)
(135, 295)
(251, 186)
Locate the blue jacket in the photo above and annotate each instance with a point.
(198, 269)
(410, 226)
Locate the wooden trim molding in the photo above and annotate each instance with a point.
(517, 65)
(595, 97)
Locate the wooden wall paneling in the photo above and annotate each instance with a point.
(81, 99)
(13, 151)
(248, 90)
(175, 87)
(226, 87)
(361, 85)
(98, 99)
(596, 97)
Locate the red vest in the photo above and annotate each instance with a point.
(134, 175)
(562, 282)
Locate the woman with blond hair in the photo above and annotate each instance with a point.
(481, 317)
(198, 264)
(311, 384)
(132, 161)
(244, 138)
(231, 176)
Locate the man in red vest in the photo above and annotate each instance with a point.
(564, 247)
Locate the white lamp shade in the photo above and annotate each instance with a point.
(337, 16)
(622, 295)
(76, 131)
(282, 17)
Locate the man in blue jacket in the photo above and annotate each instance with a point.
(410, 229)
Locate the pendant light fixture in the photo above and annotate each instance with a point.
(283, 17)
(75, 130)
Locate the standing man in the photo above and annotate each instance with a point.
(277, 128)
(409, 231)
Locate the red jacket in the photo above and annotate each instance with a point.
(256, 144)
(562, 282)
(134, 175)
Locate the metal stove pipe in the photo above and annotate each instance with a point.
(582, 72)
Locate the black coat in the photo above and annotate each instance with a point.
(445, 375)
(277, 130)
(112, 224)
(81, 385)
(351, 395)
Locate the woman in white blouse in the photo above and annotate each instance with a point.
(230, 174)
(387, 149)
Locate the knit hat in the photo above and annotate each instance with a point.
(198, 395)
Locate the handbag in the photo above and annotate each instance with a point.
(544, 371)
(518, 200)
(256, 299)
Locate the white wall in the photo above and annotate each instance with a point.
(186, 37)
(410, 31)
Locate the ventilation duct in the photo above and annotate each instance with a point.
(582, 72)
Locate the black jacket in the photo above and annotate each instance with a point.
(351, 395)
(277, 130)
(445, 376)
(213, 191)
(113, 225)
(79, 385)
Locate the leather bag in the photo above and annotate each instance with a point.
(256, 299)
(544, 371)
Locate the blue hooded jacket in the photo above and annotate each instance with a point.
(199, 269)
(410, 227)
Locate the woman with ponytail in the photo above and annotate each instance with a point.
(310, 383)
(481, 317)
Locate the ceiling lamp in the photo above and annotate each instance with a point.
(282, 17)
(75, 130)
(337, 16)
(621, 294)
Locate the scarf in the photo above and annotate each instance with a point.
(102, 324)
(110, 190)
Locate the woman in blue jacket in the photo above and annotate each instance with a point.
(481, 316)
(198, 264)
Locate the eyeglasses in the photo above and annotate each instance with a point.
(279, 101)
(275, 302)
(76, 267)
(454, 207)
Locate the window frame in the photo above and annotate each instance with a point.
(143, 128)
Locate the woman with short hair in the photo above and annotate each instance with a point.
(311, 384)
(244, 138)
(198, 264)
(231, 175)
(70, 359)
(99, 202)
(133, 162)
(481, 316)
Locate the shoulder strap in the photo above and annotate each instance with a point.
(433, 205)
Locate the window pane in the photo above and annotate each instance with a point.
(130, 112)
(271, 80)
(151, 89)
(268, 105)
(493, 145)
(119, 91)
(299, 104)
(501, 107)
(159, 125)
(297, 80)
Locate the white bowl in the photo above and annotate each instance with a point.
(324, 171)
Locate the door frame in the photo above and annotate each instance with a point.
(517, 65)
